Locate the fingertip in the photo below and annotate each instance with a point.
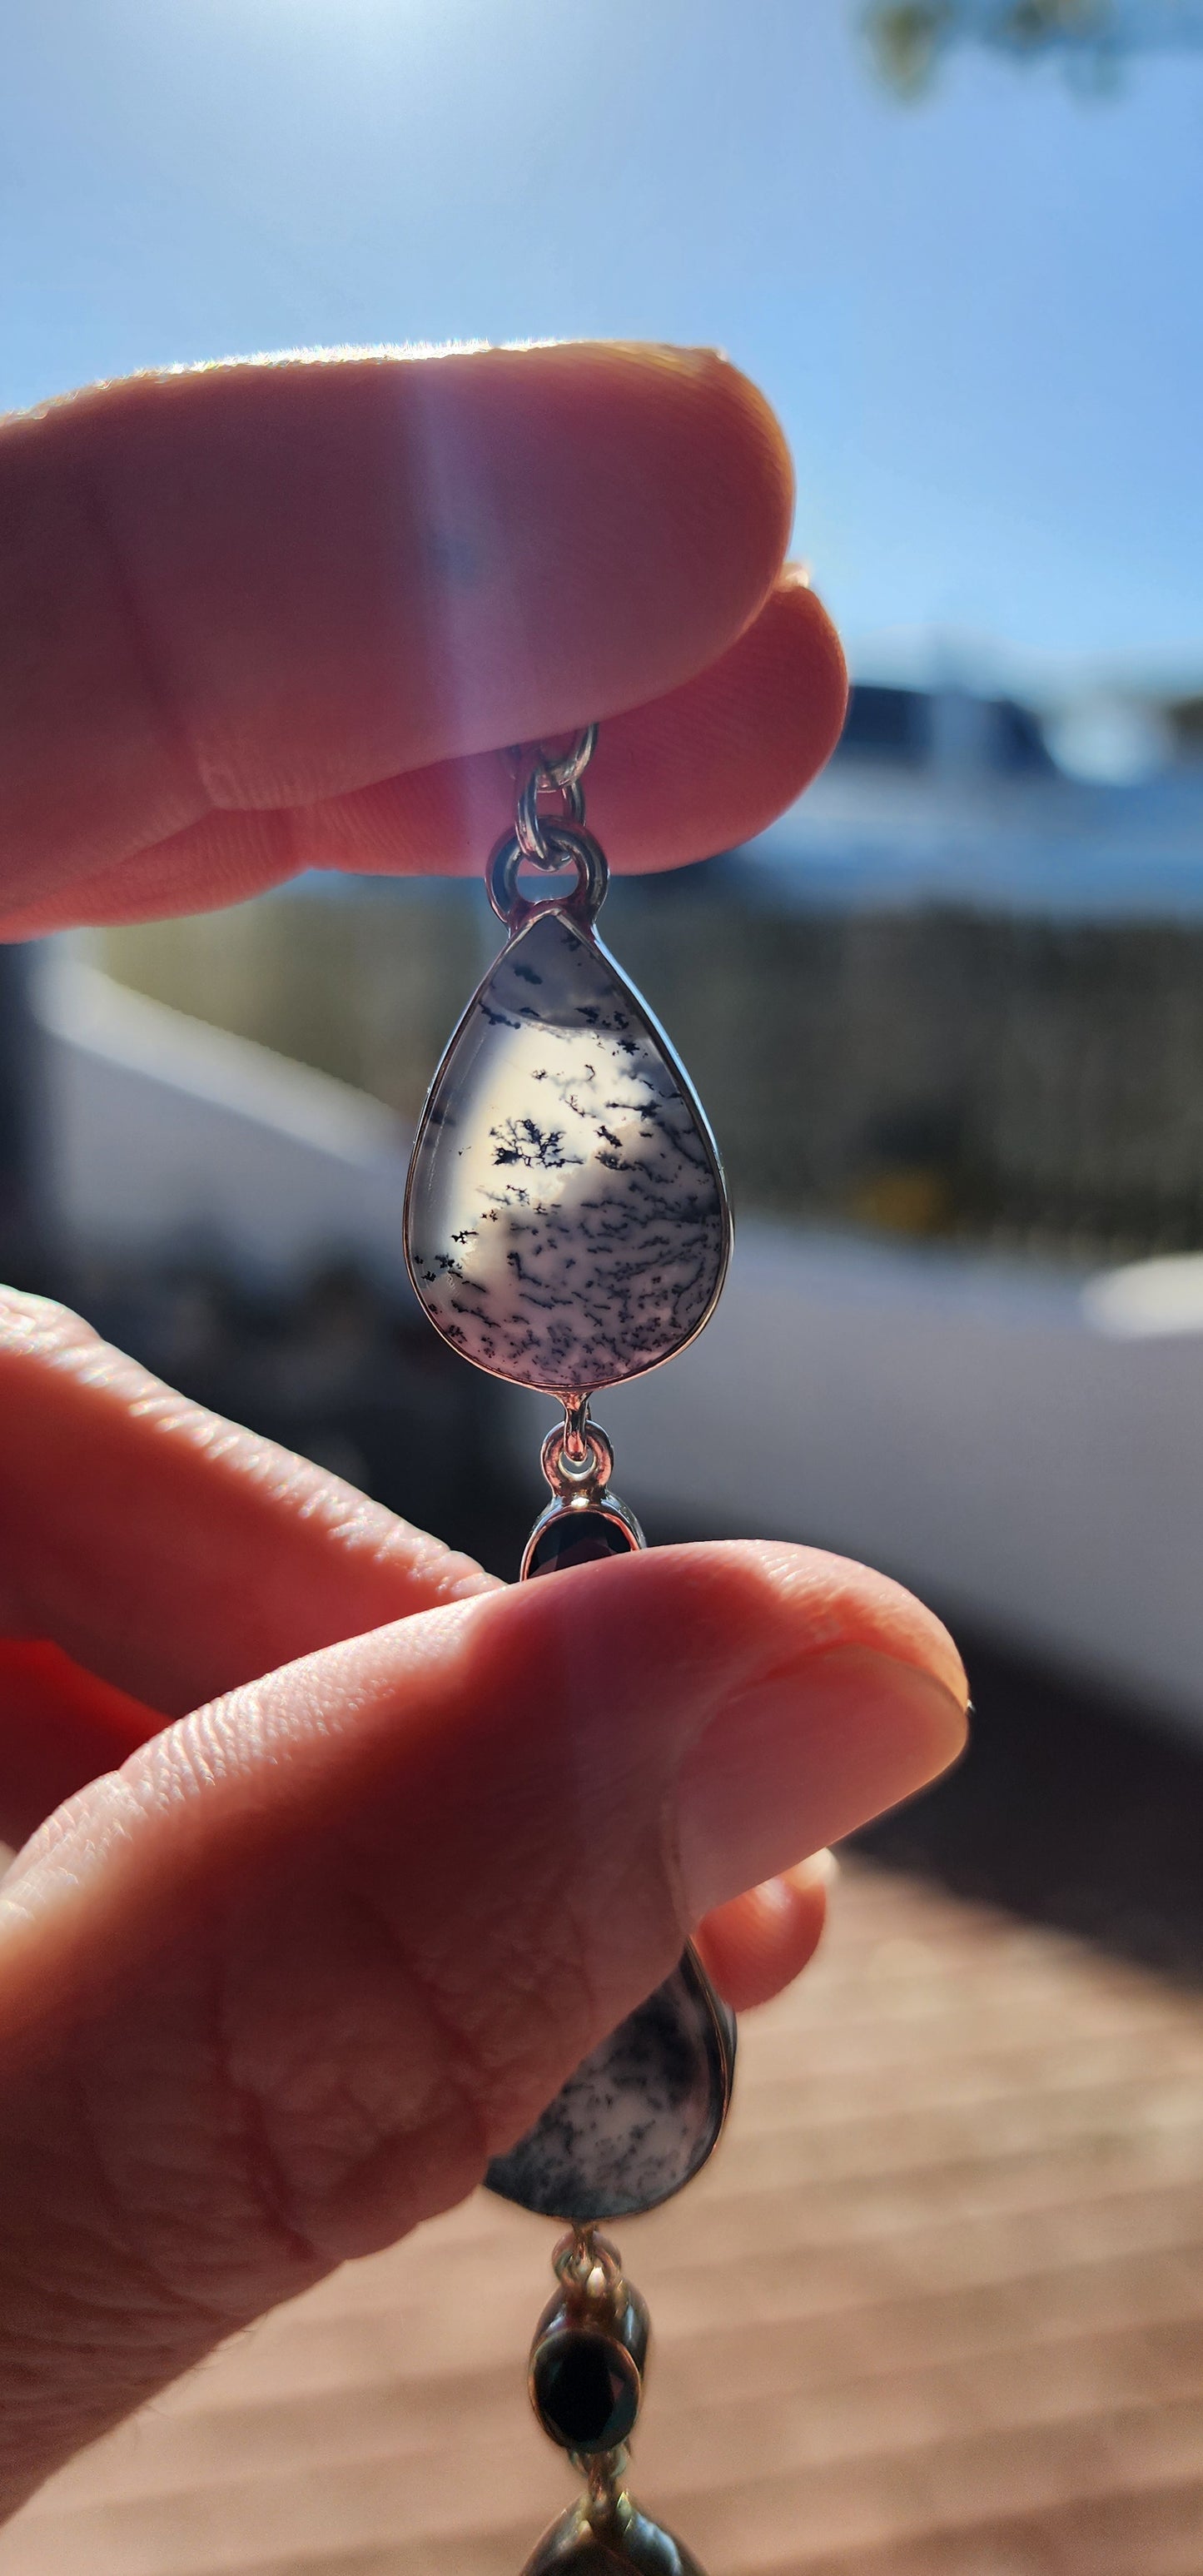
(697, 542)
(850, 1604)
(754, 1946)
(825, 662)
(796, 1694)
(760, 464)
(712, 763)
(819, 1871)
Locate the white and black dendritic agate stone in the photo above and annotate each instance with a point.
(567, 1222)
(639, 2117)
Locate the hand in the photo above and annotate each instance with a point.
(275, 1988)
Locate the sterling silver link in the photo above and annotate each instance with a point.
(530, 824)
(577, 1458)
(549, 840)
(550, 774)
(560, 769)
(571, 765)
(571, 846)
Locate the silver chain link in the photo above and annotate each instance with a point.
(577, 1457)
(548, 774)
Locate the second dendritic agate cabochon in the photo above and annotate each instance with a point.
(567, 1224)
(639, 2117)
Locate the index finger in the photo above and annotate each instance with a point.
(263, 584)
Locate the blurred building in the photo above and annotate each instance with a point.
(957, 991)
(1091, 811)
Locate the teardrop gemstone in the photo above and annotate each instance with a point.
(639, 2117)
(588, 2541)
(566, 1219)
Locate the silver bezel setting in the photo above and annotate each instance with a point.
(605, 1506)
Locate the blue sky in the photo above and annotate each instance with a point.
(978, 316)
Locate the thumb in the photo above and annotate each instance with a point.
(277, 1989)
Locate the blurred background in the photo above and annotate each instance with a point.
(939, 2306)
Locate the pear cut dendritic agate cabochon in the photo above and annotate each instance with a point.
(566, 1224)
(640, 2116)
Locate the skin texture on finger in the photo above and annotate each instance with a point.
(265, 584)
(699, 770)
(274, 1992)
(61, 1727)
(213, 1555)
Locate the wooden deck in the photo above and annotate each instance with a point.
(935, 2310)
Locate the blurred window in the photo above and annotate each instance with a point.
(891, 724)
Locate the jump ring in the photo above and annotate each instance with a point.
(561, 771)
(570, 767)
(572, 847)
(531, 825)
(574, 1478)
(580, 2257)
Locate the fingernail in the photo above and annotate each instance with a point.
(792, 1763)
(819, 1869)
(682, 353)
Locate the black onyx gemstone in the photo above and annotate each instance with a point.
(586, 2390)
(575, 1537)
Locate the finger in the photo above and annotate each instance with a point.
(167, 1551)
(257, 586)
(699, 770)
(59, 1728)
(277, 1990)
(761, 1941)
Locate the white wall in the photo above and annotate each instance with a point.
(162, 1131)
(1024, 1447)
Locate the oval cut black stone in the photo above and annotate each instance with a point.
(575, 1538)
(586, 2391)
